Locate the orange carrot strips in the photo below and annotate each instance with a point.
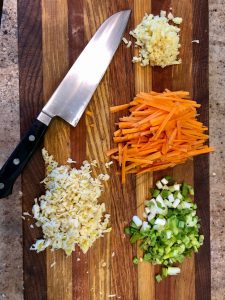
(160, 131)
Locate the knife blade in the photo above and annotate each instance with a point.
(71, 97)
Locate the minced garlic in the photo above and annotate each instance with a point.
(158, 40)
(69, 212)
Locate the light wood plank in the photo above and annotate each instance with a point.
(175, 78)
(143, 82)
(57, 139)
(97, 143)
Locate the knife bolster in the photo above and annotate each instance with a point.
(44, 118)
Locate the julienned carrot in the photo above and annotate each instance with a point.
(172, 136)
(160, 131)
(119, 107)
(117, 132)
(112, 151)
(124, 157)
(120, 148)
(165, 121)
(149, 118)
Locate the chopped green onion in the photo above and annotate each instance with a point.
(164, 272)
(176, 187)
(127, 230)
(171, 231)
(137, 221)
(173, 270)
(158, 278)
(159, 185)
(135, 237)
(164, 181)
(184, 189)
(168, 178)
(135, 260)
(155, 193)
(165, 194)
(181, 224)
(179, 196)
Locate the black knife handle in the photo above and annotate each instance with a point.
(20, 156)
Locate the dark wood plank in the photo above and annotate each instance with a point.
(77, 42)
(31, 102)
(201, 164)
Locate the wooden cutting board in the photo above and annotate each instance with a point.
(52, 33)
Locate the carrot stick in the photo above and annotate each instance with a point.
(111, 151)
(172, 136)
(165, 122)
(140, 161)
(149, 118)
(124, 157)
(157, 168)
(120, 148)
(117, 132)
(119, 108)
(156, 104)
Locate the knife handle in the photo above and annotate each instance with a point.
(20, 157)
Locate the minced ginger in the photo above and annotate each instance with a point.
(158, 40)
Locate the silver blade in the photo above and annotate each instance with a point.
(75, 91)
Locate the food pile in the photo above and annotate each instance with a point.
(160, 131)
(170, 231)
(69, 212)
(158, 40)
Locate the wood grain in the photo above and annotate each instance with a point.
(31, 102)
(96, 144)
(57, 139)
(175, 78)
(108, 280)
(77, 42)
(201, 164)
(123, 203)
(143, 82)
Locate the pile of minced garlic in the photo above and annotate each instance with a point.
(158, 40)
(69, 212)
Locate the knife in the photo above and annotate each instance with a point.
(71, 97)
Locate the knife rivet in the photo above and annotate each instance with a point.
(2, 185)
(31, 138)
(16, 161)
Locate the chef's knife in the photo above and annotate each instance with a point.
(71, 97)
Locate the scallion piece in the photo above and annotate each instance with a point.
(127, 230)
(155, 193)
(158, 278)
(135, 260)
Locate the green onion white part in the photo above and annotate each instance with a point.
(137, 221)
